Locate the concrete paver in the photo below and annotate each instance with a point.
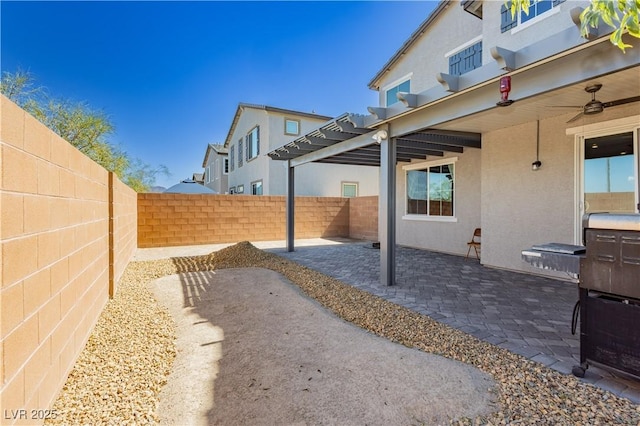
(526, 314)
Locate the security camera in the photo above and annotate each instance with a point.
(379, 136)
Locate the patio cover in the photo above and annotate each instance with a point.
(346, 140)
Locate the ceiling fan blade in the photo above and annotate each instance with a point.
(621, 101)
(576, 117)
(566, 106)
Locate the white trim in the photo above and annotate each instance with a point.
(606, 127)
(554, 11)
(396, 82)
(463, 46)
(342, 185)
(603, 128)
(425, 218)
(423, 164)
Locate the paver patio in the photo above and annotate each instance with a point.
(526, 314)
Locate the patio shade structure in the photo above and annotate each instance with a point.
(346, 140)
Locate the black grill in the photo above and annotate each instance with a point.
(610, 293)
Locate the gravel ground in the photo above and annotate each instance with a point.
(130, 353)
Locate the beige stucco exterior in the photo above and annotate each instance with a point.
(524, 34)
(426, 58)
(310, 179)
(216, 176)
(495, 186)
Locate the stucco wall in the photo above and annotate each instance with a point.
(448, 237)
(271, 136)
(551, 22)
(218, 181)
(425, 59)
(55, 268)
(325, 180)
(522, 207)
(257, 168)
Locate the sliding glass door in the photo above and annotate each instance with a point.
(609, 172)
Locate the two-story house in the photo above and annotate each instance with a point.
(516, 126)
(257, 129)
(216, 168)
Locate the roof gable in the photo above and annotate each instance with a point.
(242, 106)
(407, 45)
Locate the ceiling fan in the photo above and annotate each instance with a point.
(594, 106)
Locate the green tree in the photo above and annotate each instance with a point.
(621, 15)
(85, 128)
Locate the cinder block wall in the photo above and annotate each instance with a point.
(363, 218)
(183, 219)
(123, 229)
(54, 239)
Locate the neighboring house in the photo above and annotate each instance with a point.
(525, 172)
(216, 169)
(258, 129)
(198, 178)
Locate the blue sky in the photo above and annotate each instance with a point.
(171, 74)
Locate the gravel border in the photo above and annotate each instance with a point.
(125, 363)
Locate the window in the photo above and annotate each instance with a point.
(536, 8)
(349, 189)
(225, 169)
(207, 175)
(240, 189)
(405, 86)
(256, 188)
(253, 143)
(232, 190)
(240, 152)
(609, 174)
(430, 189)
(466, 60)
(232, 155)
(291, 127)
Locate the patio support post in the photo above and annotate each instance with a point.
(387, 209)
(290, 206)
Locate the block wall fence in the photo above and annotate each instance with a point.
(184, 219)
(67, 232)
(363, 218)
(68, 229)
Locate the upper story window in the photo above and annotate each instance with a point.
(240, 152)
(429, 189)
(253, 143)
(291, 127)
(536, 8)
(207, 175)
(232, 152)
(391, 93)
(466, 58)
(225, 168)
